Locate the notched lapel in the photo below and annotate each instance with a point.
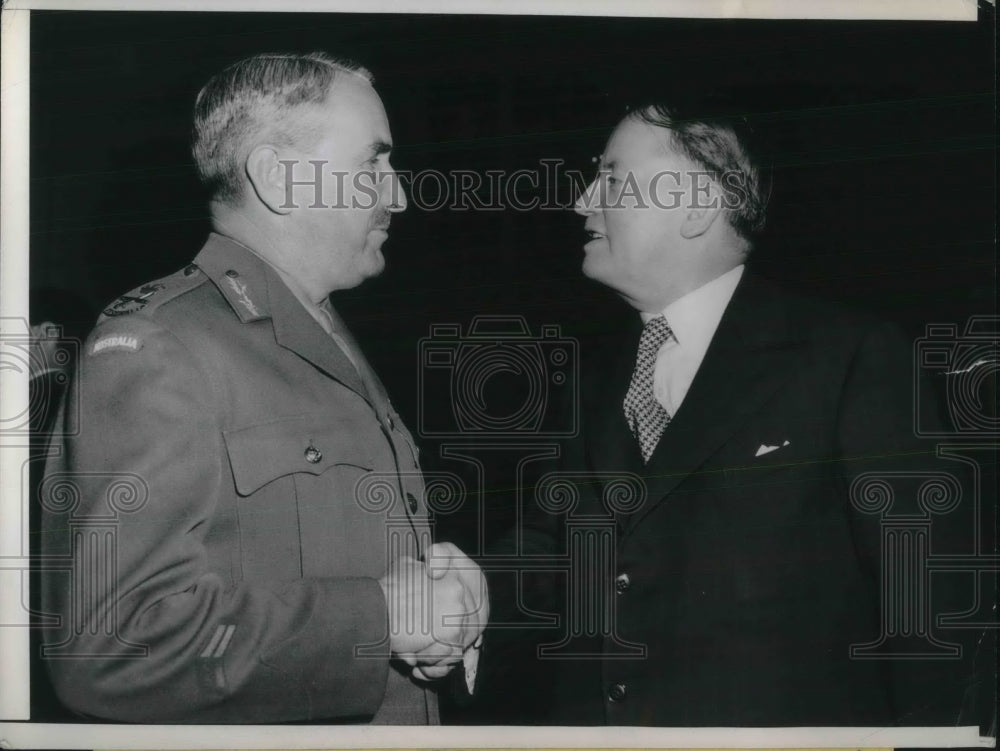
(295, 330)
(255, 292)
(610, 445)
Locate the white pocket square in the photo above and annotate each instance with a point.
(765, 449)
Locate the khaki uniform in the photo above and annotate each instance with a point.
(235, 489)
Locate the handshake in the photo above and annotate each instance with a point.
(437, 612)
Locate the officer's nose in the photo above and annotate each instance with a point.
(397, 194)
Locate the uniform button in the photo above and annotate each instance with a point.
(313, 454)
(392, 424)
(232, 273)
(190, 270)
(411, 502)
(616, 692)
(622, 583)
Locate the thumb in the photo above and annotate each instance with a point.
(439, 560)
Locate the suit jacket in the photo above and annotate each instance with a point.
(733, 592)
(233, 493)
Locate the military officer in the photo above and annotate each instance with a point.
(242, 509)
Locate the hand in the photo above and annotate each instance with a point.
(470, 660)
(423, 604)
(445, 558)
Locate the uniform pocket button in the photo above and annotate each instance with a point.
(313, 454)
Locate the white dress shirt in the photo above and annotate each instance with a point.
(693, 319)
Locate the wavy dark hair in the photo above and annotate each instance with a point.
(725, 146)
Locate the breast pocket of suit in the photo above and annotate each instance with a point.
(775, 514)
(296, 481)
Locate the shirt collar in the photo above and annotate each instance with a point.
(694, 317)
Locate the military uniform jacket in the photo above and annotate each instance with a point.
(233, 493)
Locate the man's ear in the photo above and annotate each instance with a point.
(703, 213)
(266, 174)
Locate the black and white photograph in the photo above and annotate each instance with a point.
(547, 375)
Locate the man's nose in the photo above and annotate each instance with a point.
(397, 195)
(586, 204)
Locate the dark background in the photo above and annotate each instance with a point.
(881, 135)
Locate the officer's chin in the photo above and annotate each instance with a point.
(374, 257)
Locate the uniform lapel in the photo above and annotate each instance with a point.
(255, 292)
(376, 391)
(750, 357)
(296, 330)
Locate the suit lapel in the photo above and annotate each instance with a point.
(748, 360)
(611, 446)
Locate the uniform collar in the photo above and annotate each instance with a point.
(255, 292)
(240, 275)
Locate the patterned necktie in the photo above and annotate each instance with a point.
(645, 415)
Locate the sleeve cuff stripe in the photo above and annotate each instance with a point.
(230, 630)
(216, 638)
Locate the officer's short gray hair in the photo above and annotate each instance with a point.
(255, 100)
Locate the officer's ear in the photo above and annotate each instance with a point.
(270, 178)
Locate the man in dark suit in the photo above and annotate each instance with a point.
(242, 512)
(738, 577)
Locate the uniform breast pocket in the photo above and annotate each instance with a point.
(295, 481)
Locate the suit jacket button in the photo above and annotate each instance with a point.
(411, 502)
(616, 692)
(313, 454)
(232, 273)
(189, 270)
(622, 583)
